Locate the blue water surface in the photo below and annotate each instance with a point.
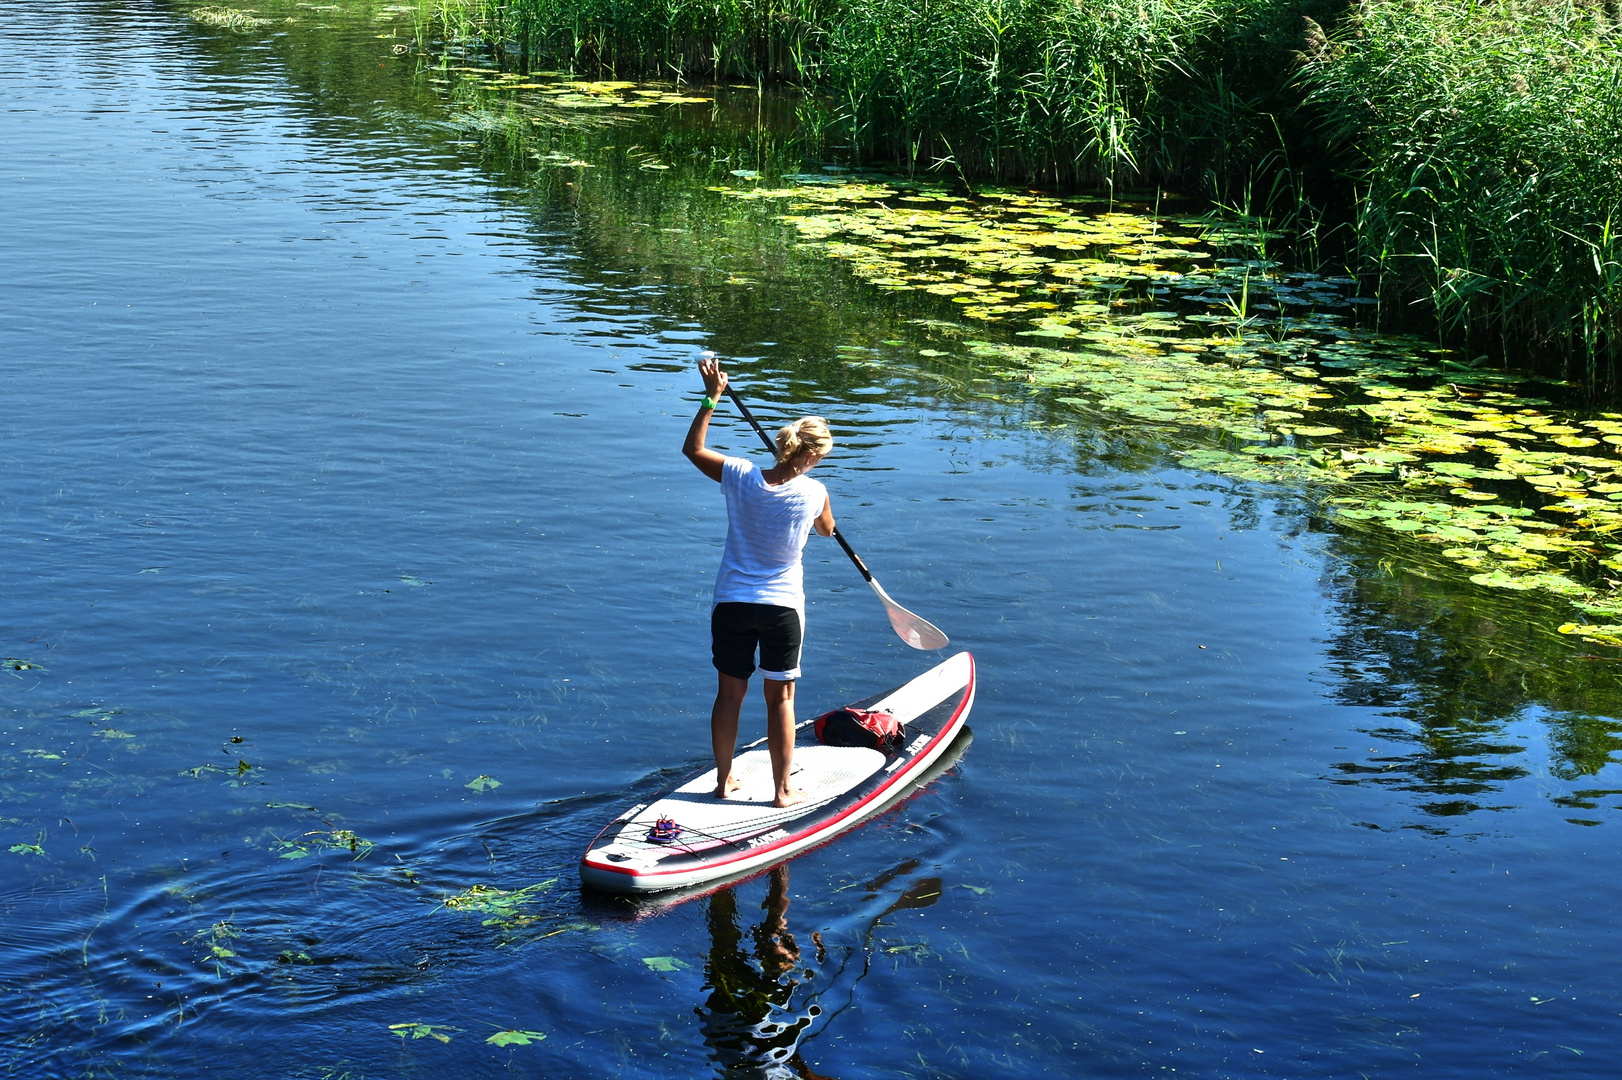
(351, 564)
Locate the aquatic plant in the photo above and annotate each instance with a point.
(515, 1037)
(320, 840)
(1485, 143)
(417, 1030)
(1394, 433)
(504, 906)
(224, 18)
(1183, 322)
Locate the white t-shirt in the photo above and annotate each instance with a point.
(766, 531)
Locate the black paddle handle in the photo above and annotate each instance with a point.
(867, 575)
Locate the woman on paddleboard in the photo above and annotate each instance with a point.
(759, 591)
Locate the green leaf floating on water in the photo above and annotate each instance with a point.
(515, 1037)
(320, 840)
(483, 783)
(489, 900)
(664, 963)
(26, 849)
(1497, 579)
(414, 1030)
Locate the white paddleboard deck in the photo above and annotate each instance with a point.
(844, 785)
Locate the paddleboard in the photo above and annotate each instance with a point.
(845, 785)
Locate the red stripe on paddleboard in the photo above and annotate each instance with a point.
(968, 694)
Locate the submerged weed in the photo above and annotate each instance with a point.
(319, 840)
(502, 905)
(226, 18)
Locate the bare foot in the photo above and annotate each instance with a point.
(789, 797)
(728, 789)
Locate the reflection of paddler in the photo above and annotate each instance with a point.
(750, 1021)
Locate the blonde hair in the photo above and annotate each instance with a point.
(807, 435)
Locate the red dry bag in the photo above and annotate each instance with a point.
(858, 727)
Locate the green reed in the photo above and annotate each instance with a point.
(1485, 143)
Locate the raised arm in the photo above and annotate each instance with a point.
(706, 460)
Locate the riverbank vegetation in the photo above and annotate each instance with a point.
(1465, 158)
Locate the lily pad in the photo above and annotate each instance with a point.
(515, 1037)
(1497, 579)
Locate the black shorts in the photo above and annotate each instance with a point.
(735, 630)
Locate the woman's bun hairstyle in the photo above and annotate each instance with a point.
(809, 434)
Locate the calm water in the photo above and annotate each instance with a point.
(342, 493)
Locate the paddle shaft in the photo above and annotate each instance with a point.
(867, 575)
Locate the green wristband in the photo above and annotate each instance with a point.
(708, 402)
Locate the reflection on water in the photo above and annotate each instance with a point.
(751, 1020)
(1475, 701)
(765, 995)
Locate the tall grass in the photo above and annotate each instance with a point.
(1486, 150)
(754, 39)
(1059, 92)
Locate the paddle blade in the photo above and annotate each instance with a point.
(916, 631)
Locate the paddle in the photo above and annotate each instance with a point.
(918, 632)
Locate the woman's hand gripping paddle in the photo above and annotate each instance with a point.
(918, 632)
